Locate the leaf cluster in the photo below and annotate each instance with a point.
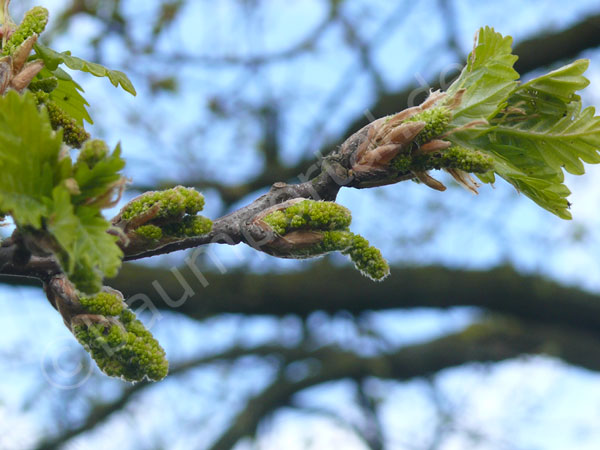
(532, 131)
(55, 198)
(56, 202)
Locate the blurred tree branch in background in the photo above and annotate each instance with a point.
(488, 341)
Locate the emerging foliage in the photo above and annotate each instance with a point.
(52, 59)
(488, 78)
(49, 196)
(489, 123)
(56, 203)
(29, 160)
(532, 131)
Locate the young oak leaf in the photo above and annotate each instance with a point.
(88, 252)
(52, 59)
(97, 173)
(533, 130)
(67, 95)
(29, 162)
(488, 78)
(34, 191)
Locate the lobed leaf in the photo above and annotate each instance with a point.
(29, 163)
(534, 130)
(94, 182)
(52, 59)
(45, 192)
(88, 252)
(488, 78)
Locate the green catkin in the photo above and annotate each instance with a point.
(455, 157)
(402, 163)
(366, 258)
(173, 203)
(150, 232)
(118, 342)
(73, 134)
(189, 226)
(333, 221)
(176, 215)
(436, 120)
(125, 349)
(34, 22)
(309, 214)
(103, 303)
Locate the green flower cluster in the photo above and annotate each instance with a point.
(103, 303)
(34, 22)
(189, 226)
(123, 347)
(172, 203)
(73, 134)
(150, 232)
(367, 259)
(175, 216)
(436, 120)
(402, 163)
(310, 215)
(332, 220)
(455, 157)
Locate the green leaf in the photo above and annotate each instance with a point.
(88, 251)
(542, 131)
(488, 78)
(545, 150)
(67, 96)
(53, 58)
(561, 143)
(33, 189)
(530, 175)
(561, 83)
(534, 130)
(29, 150)
(95, 251)
(98, 181)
